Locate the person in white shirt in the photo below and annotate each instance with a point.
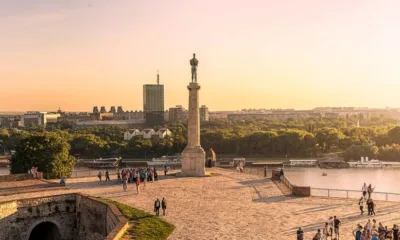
(368, 226)
(364, 190)
(361, 204)
(330, 223)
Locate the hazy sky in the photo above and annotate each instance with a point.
(252, 54)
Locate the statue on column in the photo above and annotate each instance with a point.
(194, 62)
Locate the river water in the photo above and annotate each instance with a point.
(384, 180)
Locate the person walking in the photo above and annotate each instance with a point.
(265, 171)
(370, 190)
(361, 204)
(325, 232)
(157, 207)
(165, 170)
(137, 185)
(336, 223)
(317, 236)
(329, 221)
(125, 183)
(395, 231)
(364, 190)
(371, 207)
(357, 233)
(164, 205)
(108, 176)
(119, 176)
(99, 175)
(300, 234)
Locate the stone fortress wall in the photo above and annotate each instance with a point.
(76, 216)
(19, 177)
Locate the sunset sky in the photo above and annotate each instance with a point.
(252, 54)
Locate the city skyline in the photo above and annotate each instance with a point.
(258, 54)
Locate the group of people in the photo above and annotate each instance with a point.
(373, 231)
(367, 198)
(158, 204)
(331, 229)
(133, 175)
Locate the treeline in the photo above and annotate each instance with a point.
(378, 138)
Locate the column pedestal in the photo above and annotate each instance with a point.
(193, 156)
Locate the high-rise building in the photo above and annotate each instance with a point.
(103, 109)
(177, 113)
(95, 109)
(112, 110)
(204, 114)
(120, 110)
(153, 102)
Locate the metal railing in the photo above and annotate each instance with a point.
(91, 173)
(341, 193)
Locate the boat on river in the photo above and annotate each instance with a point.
(107, 163)
(165, 160)
(373, 163)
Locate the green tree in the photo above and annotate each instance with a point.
(394, 134)
(47, 151)
(328, 138)
(389, 152)
(355, 152)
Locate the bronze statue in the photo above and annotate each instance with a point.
(194, 62)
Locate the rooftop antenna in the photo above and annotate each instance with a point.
(158, 78)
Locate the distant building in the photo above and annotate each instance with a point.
(120, 110)
(104, 123)
(204, 114)
(153, 102)
(166, 116)
(106, 116)
(34, 119)
(177, 113)
(147, 133)
(112, 110)
(10, 121)
(103, 109)
(95, 110)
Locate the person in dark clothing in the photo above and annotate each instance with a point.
(281, 174)
(395, 231)
(357, 233)
(108, 176)
(165, 170)
(265, 171)
(164, 205)
(336, 223)
(300, 234)
(371, 207)
(157, 205)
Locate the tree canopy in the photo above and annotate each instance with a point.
(47, 151)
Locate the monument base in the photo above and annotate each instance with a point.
(193, 162)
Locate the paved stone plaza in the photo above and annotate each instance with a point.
(232, 206)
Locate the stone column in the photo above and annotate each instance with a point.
(193, 156)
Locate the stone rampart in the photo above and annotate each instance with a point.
(300, 191)
(97, 218)
(76, 217)
(19, 177)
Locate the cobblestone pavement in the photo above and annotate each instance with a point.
(232, 206)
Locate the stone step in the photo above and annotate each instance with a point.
(284, 189)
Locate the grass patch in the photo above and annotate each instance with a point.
(145, 226)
